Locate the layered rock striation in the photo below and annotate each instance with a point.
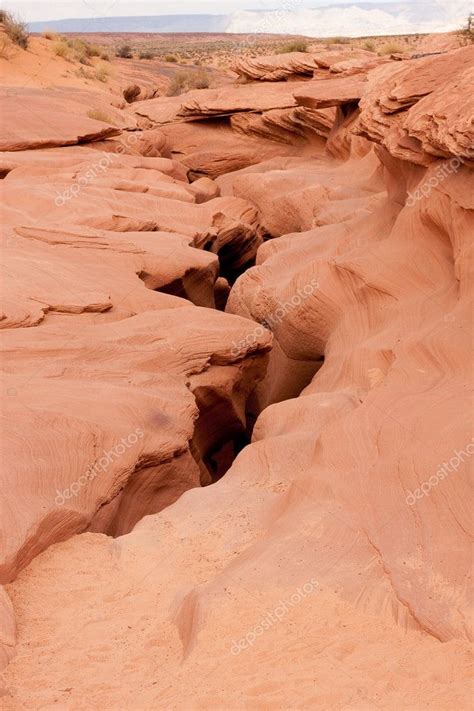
(329, 567)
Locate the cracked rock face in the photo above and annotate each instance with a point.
(235, 374)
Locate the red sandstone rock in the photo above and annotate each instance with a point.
(329, 567)
(279, 67)
(275, 68)
(324, 93)
(428, 87)
(56, 118)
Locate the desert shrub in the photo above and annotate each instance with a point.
(102, 73)
(50, 35)
(77, 45)
(84, 74)
(390, 48)
(340, 40)
(186, 80)
(295, 46)
(369, 45)
(82, 58)
(146, 54)
(124, 51)
(16, 29)
(61, 49)
(177, 84)
(105, 57)
(77, 51)
(171, 58)
(6, 48)
(466, 35)
(92, 50)
(200, 80)
(99, 115)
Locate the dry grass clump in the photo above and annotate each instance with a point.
(76, 50)
(102, 73)
(146, 54)
(466, 35)
(369, 45)
(79, 51)
(16, 29)
(92, 50)
(339, 40)
(295, 46)
(390, 48)
(50, 35)
(6, 48)
(200, 80)
(187, 80)
(171, 58)
(124, 52)
(61, 48)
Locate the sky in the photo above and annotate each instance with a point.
(35, 10)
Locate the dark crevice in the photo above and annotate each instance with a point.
(196, 286)
(220, 461)
(228, 407)
(226, 417)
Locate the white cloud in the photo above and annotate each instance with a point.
(37, 10)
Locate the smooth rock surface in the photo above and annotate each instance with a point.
(328, 565)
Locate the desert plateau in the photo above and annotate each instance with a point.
(236, 359)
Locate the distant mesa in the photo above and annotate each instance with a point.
(357, 19)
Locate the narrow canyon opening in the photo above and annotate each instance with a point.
(235, 374)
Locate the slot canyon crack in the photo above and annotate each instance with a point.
(268, 289)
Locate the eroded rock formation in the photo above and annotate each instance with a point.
(329, 567)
